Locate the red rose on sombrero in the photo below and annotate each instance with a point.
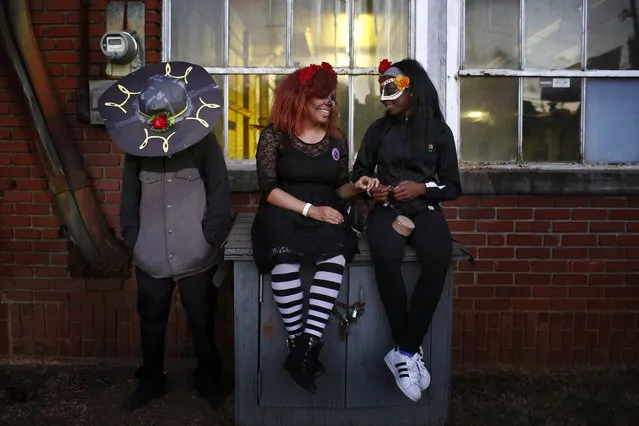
(161, 109)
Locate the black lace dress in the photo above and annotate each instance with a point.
(311, 173)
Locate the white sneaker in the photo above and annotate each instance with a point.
(406, 373)
(424, 375)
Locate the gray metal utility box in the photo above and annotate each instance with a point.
(357, 388)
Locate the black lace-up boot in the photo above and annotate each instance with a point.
(300, 362)
(318, 368)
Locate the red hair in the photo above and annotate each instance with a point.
(292, 95)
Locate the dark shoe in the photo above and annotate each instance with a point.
(214, 390)
(318, 368)
(149, 388)
(299, 362)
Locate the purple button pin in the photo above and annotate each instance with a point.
(335, 154)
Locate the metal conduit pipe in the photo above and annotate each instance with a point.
(68, 181)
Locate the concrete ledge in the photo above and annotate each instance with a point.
(517, 181)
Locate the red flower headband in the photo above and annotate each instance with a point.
(308, 72)
(384, 65)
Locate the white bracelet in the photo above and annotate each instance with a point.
(307, 207)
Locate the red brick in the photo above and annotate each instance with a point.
(13, 221)
(524, 240)
(550, 266)
(47, 18)
(600, 227)
(495, 226)
(27, 234)
(464, 201)
(569, 279)
(572, 201)
(586, 292)
(567, 305)
(607, 253)
(512, 266)
(624, 214)
(552, 214)
(606, 279)
(495, 239)
(622, 292)
(50, 271)
(569, 253)
(496, 253)
(532, 279)
(494, 279)
(493, 304)
(579, 240)
(477, 213)
(628, 240)
(587, 266)
(500, 201)
(29, 209)
(46, 221)
(549, 292)
(514, 214)
(512, 292)
(31, 259)
(535, 201)
(475, 291)
(608, 202)
(590, 214)
(530, 305)
(471, 239)
(604, 304)
(607, 240)
(533, 253)
(572, 226)
(533, 226)
(461, 225)
(15, 172)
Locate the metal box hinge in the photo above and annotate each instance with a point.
(261, 288)
(259, 385)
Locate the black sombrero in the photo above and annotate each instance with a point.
(161, 109)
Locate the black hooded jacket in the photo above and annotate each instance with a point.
(388, 146)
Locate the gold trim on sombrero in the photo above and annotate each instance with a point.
(128, 96)
(197, 114)
(178, 77)
(165, 140)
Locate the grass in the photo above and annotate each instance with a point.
(55, 395)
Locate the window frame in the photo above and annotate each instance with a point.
(455, 71)
(417, 27)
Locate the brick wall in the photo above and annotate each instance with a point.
(556, 282)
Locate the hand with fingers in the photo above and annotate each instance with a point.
(407, 191)
(325, 214)
(366, 183)
(380, 193)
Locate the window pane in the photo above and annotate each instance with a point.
(492, 34)
(489, 119)
(342, 103)
(552, 118)
(611, 34)
(250, 100)
(612, 121)
(320, 32)
(381, 31)
(219, 128)
(197, 32)
(553, 34)
(257, 33)
(368, 107)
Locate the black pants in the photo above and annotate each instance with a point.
(432, 241)
(199, 296)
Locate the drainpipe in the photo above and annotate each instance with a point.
(103, 255)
